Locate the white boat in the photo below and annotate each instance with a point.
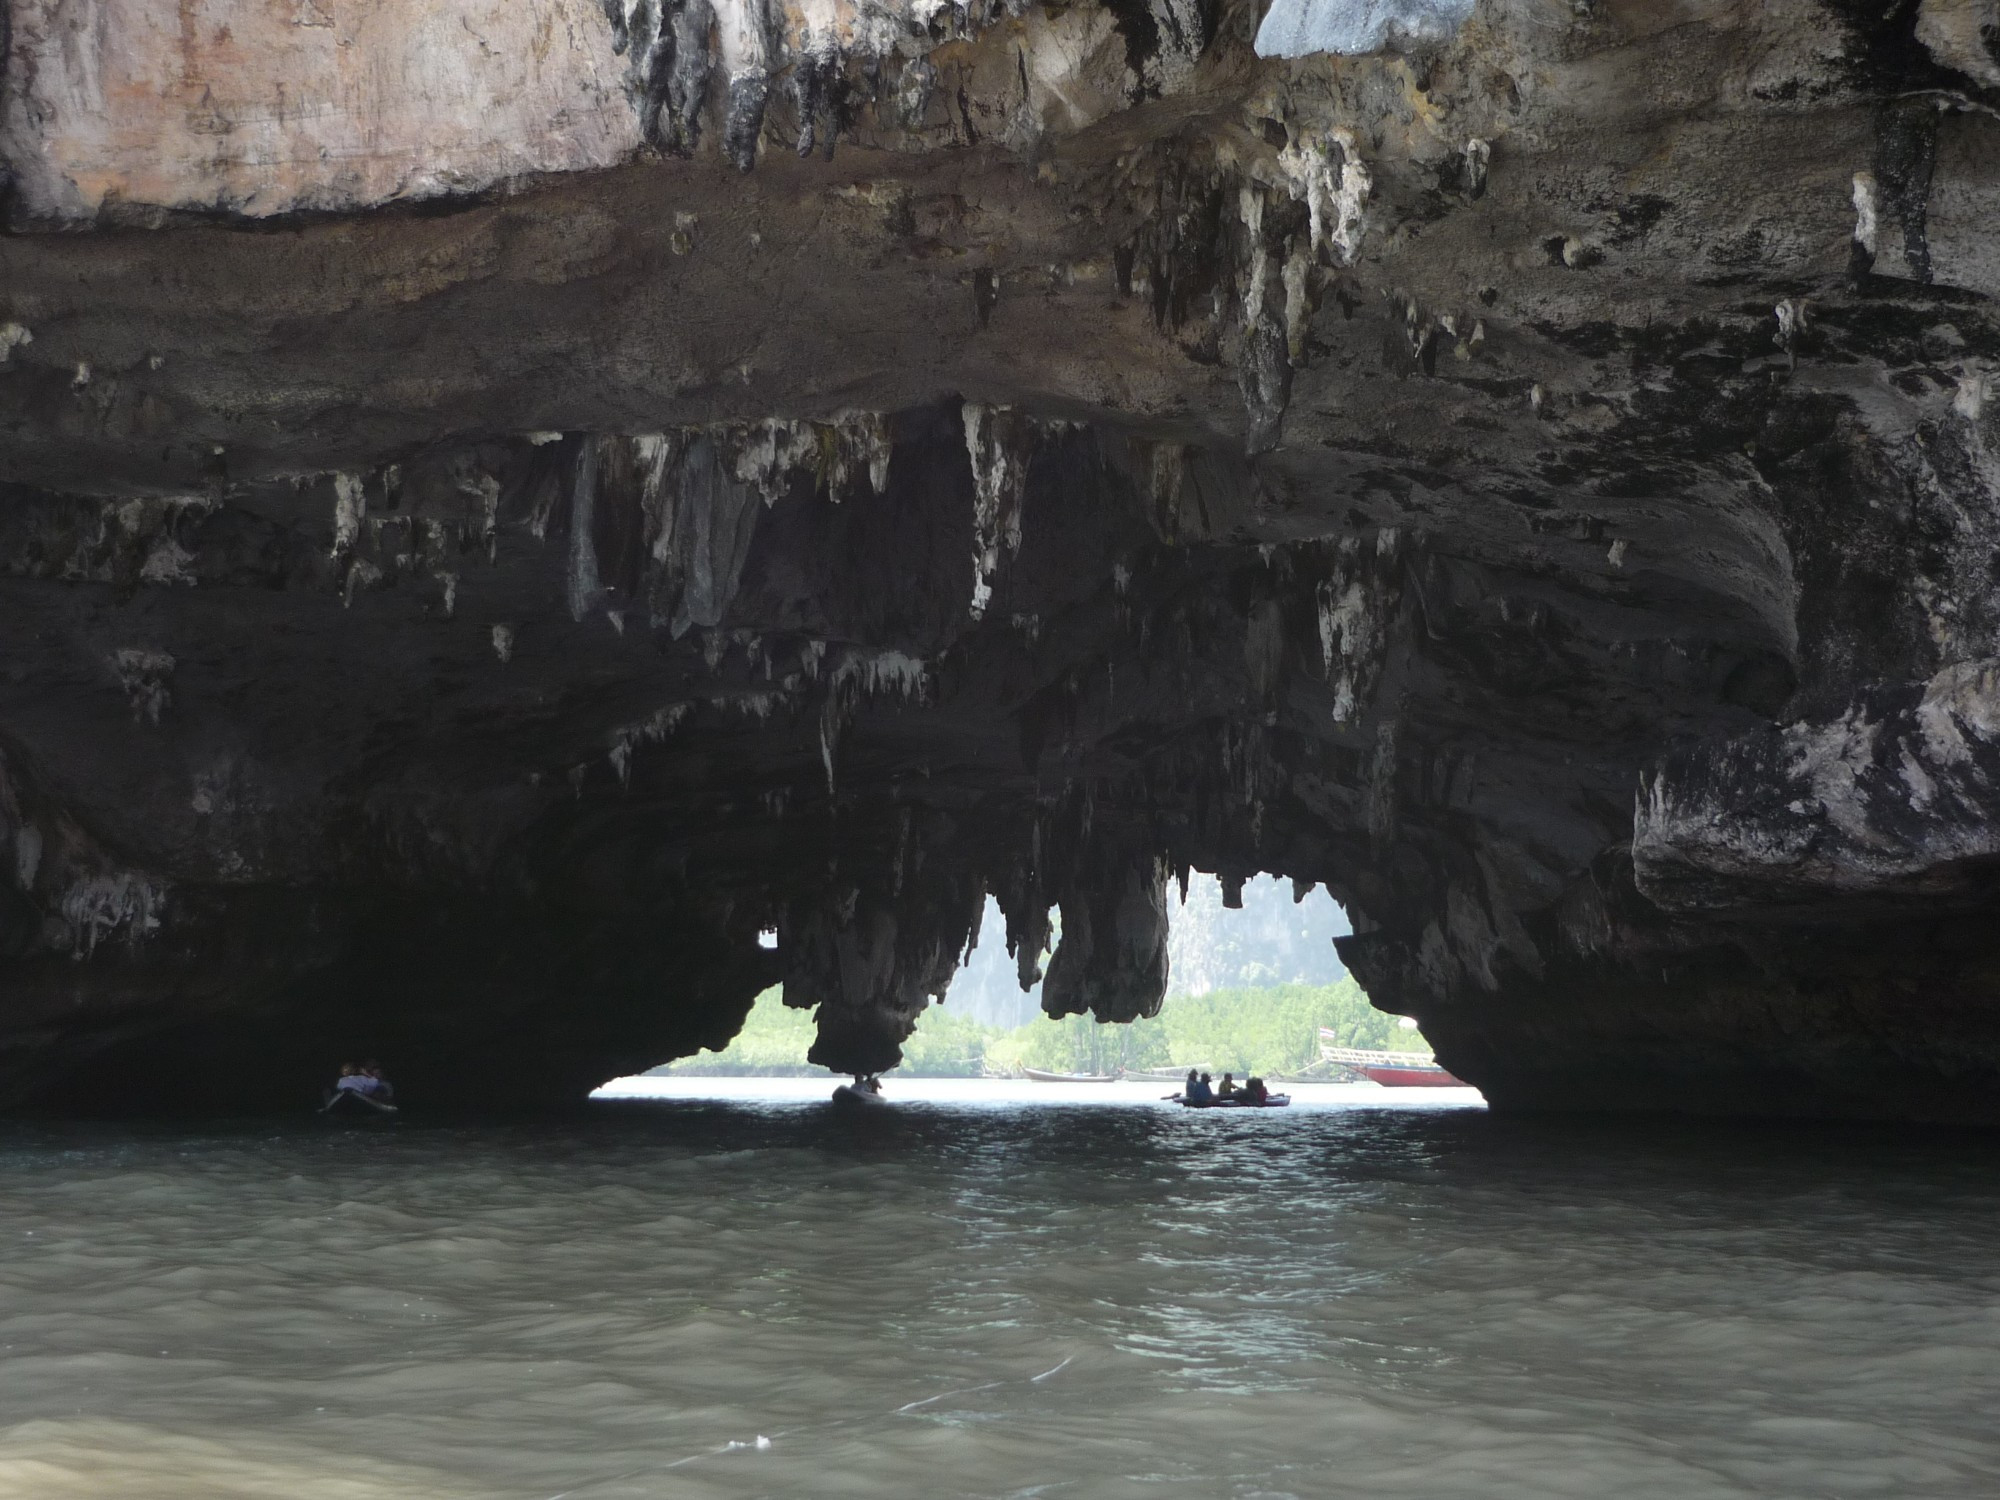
(1038, 1075)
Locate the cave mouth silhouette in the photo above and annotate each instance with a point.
(1274, 933)
(1231, 948)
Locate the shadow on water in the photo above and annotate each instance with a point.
(1091, 1146)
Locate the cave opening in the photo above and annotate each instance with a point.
(1255, 986)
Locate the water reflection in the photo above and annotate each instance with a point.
(997, 1302)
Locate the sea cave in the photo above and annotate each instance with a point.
(496, 517)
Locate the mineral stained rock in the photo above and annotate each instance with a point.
(507, 511)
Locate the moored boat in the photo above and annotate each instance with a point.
(1396, 1070)
(1039, 1075)
(1412, 1076)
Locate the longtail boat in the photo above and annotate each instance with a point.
(1396, 1070)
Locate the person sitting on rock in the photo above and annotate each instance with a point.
(1227, 1087)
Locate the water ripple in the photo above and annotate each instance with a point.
(743, 1300)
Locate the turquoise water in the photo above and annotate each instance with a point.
(998, 1295)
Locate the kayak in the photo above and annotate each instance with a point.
(348, 1105)
(1273, 1101)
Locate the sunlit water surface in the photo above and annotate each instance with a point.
(995, 1294)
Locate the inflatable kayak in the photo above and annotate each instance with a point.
(1273, 1101)
(348, 1105)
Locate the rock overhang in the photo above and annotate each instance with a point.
(467, 632)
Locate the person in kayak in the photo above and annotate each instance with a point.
(1227, 1087)
(363, 1082)
(1201, 1091)
(366, 1080)
(1254, 1091)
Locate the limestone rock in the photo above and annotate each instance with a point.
(1963, 34)
(272, 106)
(1534, 472)
(1299, 28)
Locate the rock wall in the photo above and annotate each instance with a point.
(135, 110)
(264, 107)
(1532, 477)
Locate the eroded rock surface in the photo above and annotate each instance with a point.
(262, 107)
(1535, 476)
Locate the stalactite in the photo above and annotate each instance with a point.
(744, 53)
(999, 443)
(868, 962)
(584, 589)
(1111, 962)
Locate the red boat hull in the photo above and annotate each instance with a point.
(1413, 1078)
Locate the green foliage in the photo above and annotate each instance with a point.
(1077, 1044)
(1272, 1031)
(946, 1046)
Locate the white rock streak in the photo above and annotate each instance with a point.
(1250, 207)
(997, 445)
(1299, 28)
(1326, 173)
(1867, 212)
(98, 906)
(868, 674)
(1959, 34)
(350, 506)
